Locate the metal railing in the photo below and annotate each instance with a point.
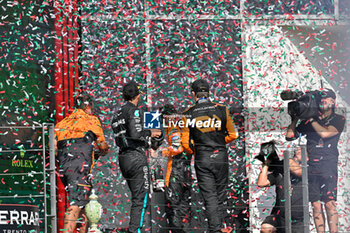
(305, 190)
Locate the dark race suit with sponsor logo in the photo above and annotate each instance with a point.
(132, 141)
(209, 126)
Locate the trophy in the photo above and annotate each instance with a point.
(93, 212)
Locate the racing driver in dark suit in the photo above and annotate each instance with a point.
(133, 141)
(210, 127)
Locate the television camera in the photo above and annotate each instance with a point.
(304, 105)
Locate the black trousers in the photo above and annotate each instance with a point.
(178, 194)
(75, 160)
(212, 175)
(134, 167)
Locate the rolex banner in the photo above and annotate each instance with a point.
(21, 172)
(19, 218)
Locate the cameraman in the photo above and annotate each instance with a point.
(272, 174)
(322, 134)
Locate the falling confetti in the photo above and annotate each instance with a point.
(52, 49)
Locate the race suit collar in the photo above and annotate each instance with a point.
(202, 100)
(130, 104)
(78, 112)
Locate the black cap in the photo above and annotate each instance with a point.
(131, 90)
(328, 93)
(200, 85)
